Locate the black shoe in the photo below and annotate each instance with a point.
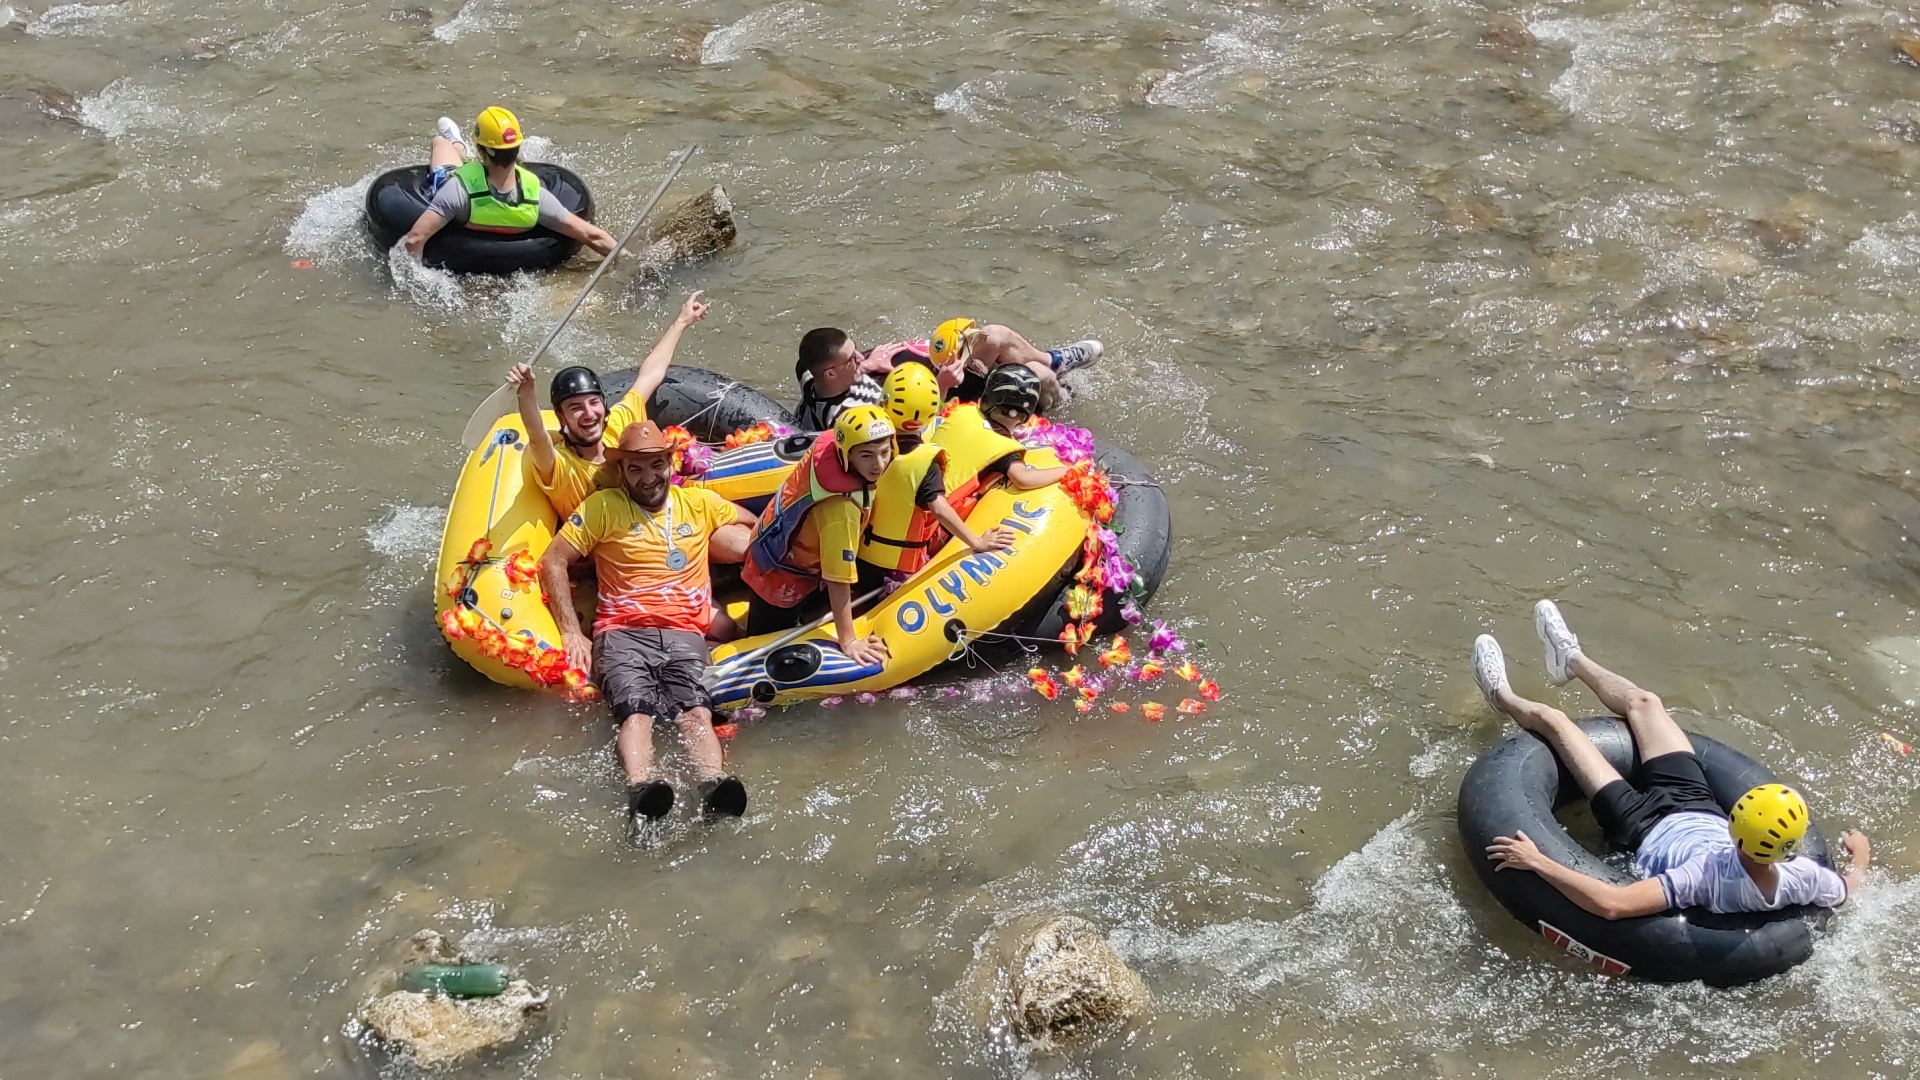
(649, 799)
(724, 796)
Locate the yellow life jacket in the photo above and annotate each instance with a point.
(971, 445)
(899, 533)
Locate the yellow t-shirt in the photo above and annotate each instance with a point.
(638, 587)
(827, 542)
(574, 477)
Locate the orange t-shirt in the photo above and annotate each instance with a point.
(638, 588)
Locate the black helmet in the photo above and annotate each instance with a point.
(1013, 387)
(572, 382)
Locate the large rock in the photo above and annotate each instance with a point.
(699, 226)
(1068, 988)
(435, 1030)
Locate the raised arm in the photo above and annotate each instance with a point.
(554, 568)
(539, 439)
(1602, 898)
(653, 370)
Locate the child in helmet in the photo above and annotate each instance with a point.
(910, 506)
(1010, 399)
(808, 538)
(1689, 851)
(965, 353)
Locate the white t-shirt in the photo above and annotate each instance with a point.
(1692, 856)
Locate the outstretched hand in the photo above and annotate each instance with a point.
(693, 310)
(1516, 852)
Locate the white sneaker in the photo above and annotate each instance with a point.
(450, 131)
(1079, 354)
(1561, 645)
(1489, 669)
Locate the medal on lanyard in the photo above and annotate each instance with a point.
(676, 559)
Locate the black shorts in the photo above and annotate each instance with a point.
(1670, 783)
(765, 618)
(651, 672)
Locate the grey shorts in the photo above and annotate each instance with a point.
(651, 672)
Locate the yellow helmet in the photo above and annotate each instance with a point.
(498, 129)
(1768, 823)
(913, 397)
(858, 426)
(949, 341)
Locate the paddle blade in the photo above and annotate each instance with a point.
(498, 404)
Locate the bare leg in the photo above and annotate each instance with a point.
(998, 345)
(445, 153)
(1654, 732)
(1571, 745)
(635, 744)
(703, 746)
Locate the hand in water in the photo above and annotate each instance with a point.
(1854, 843)
(865, 651)
(693, 310)
(579, 650)
(998, 538)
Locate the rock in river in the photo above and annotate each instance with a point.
(1069, 988)
(434, 1030)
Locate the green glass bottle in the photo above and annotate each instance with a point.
(456, 980)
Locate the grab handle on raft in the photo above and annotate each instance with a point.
(788, 638)
(500, 402)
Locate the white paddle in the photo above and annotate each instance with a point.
(500, 402)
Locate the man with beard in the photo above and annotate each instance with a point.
(565, 468)
(648, 540)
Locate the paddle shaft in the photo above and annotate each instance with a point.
(499, 403)
(593, 279)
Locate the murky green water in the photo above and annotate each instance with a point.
(1418, 318)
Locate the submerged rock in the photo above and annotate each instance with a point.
(1909, 47)
(1509, 37)
(435, 1030)
(1069, 988)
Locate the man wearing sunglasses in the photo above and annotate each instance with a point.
(832, 378)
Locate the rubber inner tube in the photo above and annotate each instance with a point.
(1517, 785)
(395, 200)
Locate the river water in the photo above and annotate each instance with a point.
(1421, 311)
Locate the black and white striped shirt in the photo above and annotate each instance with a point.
(818, 414)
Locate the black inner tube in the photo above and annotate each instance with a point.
(1518, 784)
(395, 200)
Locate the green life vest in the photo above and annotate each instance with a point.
(487, 213)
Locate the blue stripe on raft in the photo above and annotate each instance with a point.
(757, 457)
(835, 669)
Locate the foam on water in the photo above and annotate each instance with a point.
(75, 20)
(764, 27)
(407, 533)
(477, 17)
(1893, 245)
(1613, 64)
(328, 228)
(1389, 936)
(123, 107)
(1229, 54)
